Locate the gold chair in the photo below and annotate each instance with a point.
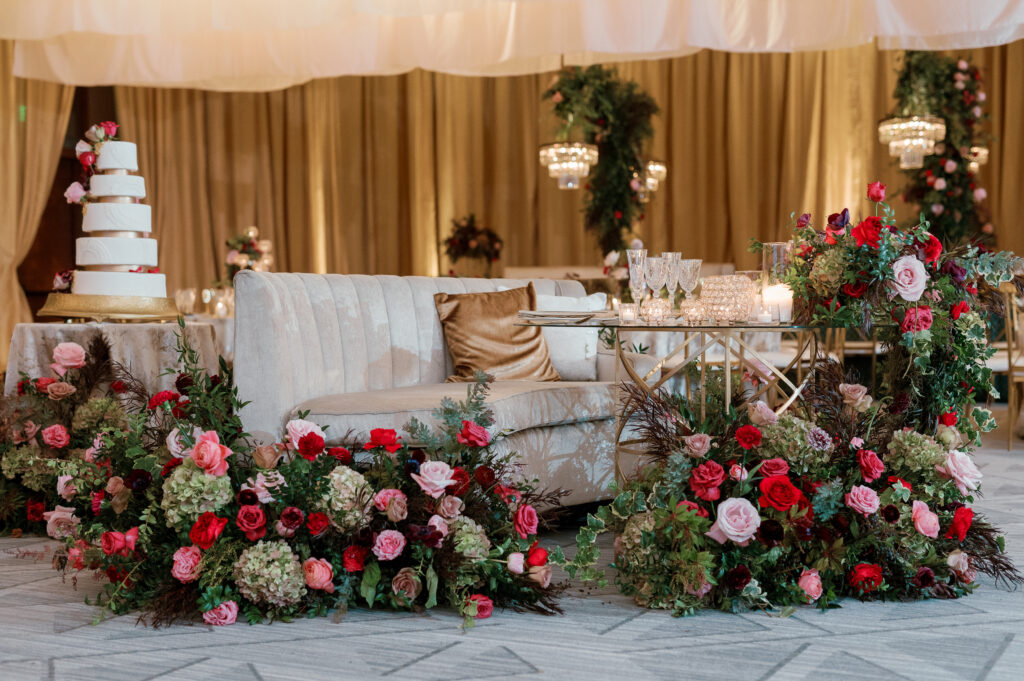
(1009, 359)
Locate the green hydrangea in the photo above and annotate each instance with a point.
(791, 439)
(99, 414)
(347, 499)
(912, 451)
(469, 538)
(827, 271)
(32, 465)
(632, 534)
(269, 573)
(189, 492)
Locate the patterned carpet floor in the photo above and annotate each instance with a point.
(47, 632)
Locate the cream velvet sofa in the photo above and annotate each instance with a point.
(361, 352)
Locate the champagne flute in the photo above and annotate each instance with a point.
(672, 277)
(636, 258)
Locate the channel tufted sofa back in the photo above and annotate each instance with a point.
(300, 336)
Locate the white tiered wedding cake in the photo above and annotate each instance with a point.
(116, 259)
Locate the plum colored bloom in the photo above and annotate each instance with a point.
(910, 278)
(876, 192)
(388, 545)
(871, 467)
(434, 477)
(473, 435)
(737, 520)
(186, 564)
(224, 614)
(524, 521)
(810, 582)
(960, 467)
(861, 499)
(210, 455)
(925, 521)
(56, 436)
(319, 574)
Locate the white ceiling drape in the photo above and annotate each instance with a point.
(270, 44)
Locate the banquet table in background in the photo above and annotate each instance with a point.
(223, 332)
(145, 349)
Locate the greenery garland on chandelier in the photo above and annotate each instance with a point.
(614, 114)
(945, 188)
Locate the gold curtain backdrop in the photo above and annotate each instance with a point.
(364, 174)
(33, 118)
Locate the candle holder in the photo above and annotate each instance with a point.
(627, 312)
(655, 310)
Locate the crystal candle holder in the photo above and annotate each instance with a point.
(627, 312)
(655, 310)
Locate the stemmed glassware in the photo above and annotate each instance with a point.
(655, 272)
(671, 276)
(689, 274)
(636, 258)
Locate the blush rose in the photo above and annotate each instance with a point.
(210, 455)
(960, 467)
(910, 278)
(224, 614)
(186, 564)
(737, 520)
(434, 477)
(319, 574)
(389, 545)
(810, 582)
(67, 356)
(925, 521)
(863, 500)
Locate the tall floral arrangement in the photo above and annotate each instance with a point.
(947, 191)
(615, 114)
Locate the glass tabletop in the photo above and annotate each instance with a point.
(604, 321)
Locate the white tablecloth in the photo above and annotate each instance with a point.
(146, 349)
(223, 331)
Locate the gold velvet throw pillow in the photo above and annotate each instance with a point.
(481, 333)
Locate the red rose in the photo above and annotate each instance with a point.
(461, 478)
(868, 232)
(310, 446)
(34, 510)
(206, 530)
(109, 127)
(43, 383)
(317, 523)
(855, 290)
(705, 479)
(932, 249)
(86, 158)
(948, 419)
(354, 558)
(473, 435)
(916, 319)
(119, 387)
(253, 521)
(291, 518)
(384, 437)
(779, 493)
(871, 467)
(962, 519)
(340, 453)
(876, 192)
(484, 476)
(508, 494)
(618, 215)
(748, 436)
(692, 508)
(536, 556)
(161, 397)
(866, 577)
(22, 385)
(959, 309)
(170, 466)
(771, 467)
(484, 605)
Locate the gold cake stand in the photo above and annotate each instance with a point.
(109, 308)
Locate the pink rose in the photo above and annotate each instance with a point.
(737, 520)
(320, 574)
(856, 396)
(911, 278)
(876, 193)
(810, 582)
(770, 467)
(389, 545)
(224, 614)
(960, 563)
(473, 435)
(210, 455)
(450, 507)
(862, 499)
(439, 524)
(66, 488)
(61, 522)
(557, 98)
(938, 209)
(232, 256)
(738, 472)
(296, 428)
(74, 193)
(174, 444)
(925, 521)
(383, 497)
(113, 543)
(698, 444)
(761, 414)
(980, 194)
(960, 467)
(515, 563)
(186, 564)
(434, 477)
(871, 467)
(856, 442)
(67, 356)
(940, 184)
(525, 521)
(56, 436)
(541, 574)
(917, 319)
(114, 485)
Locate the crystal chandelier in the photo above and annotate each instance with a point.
(648, 181)
(568, 161)
(911, 138)
(977, 157)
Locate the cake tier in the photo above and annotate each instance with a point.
(117, 185)
(146, 285)
(115, 251)
(117, 156)
(117, 217)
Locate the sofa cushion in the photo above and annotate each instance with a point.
(517, 406)
(573, 351)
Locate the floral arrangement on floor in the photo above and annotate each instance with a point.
(946, 189)
(166, 500)
(473, 241)
(848, 494)
(615, 114)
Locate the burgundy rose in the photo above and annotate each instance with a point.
(924, 578)
(252, 521)
(170, 466)
(247, 497)
(461, 478)
(705, 479)
(183, 382)
(770, 467)
(770, 532)
(737, 578)
(292, 518)
(34, 509)
(891, 514)
(119, 387)
(138, 480)
(484, 476)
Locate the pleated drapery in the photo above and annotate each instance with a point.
(364, 174)
(33, 118)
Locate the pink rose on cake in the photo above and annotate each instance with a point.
(74, 193)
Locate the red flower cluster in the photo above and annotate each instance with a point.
(311, 446)
(962, 519)
(384, 437)
(206, 530)
(868, 232)
(866, 577)
(748, 436)
(162, 397)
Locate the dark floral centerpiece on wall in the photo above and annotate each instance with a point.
(471, 241)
